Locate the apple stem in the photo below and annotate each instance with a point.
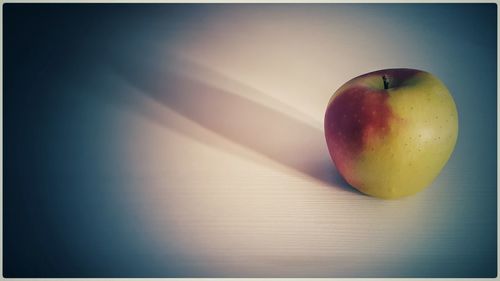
(386, 82)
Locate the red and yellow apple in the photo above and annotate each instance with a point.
(390, 132)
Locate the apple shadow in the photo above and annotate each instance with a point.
(277, 136)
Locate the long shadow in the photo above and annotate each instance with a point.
(281, 138)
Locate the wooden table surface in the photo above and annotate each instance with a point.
(190, 143)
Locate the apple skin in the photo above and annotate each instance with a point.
(390, 143)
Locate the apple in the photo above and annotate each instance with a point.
(390, 132)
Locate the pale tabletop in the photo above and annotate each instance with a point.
(198, 146)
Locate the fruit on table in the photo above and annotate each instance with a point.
(390, 132)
